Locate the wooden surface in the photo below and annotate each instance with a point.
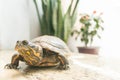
(82, 67)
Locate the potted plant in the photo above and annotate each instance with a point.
(91, 24)
(54, 21)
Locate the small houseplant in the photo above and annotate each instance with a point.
(91, 24)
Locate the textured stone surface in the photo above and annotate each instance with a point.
(77, 71)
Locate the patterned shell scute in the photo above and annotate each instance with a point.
(52, 43)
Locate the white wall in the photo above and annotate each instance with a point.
(18, 20)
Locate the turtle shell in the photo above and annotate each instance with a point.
(52, 43)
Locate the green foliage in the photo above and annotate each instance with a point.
(53, 21)
(90, 28)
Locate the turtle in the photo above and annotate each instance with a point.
(43, 51)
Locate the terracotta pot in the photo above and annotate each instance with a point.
(88, 50)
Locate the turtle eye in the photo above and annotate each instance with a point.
(25, 42)
(18, 42)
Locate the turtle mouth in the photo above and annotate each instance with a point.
(16, 48)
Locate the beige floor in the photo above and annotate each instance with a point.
(82, 67)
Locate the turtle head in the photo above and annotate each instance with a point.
(27, 48)
(22, 45)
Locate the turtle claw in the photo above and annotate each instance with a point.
(63, 67)
(10, 66)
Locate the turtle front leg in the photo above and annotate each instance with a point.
(14, 62)
(64, 64)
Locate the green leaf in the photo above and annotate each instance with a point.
(86, 41)
(74, 12)
(102, 28)
(97, 26)
(82, 29)
(99, 36)
(82, 39)
(67, 26)
(96, 20)
(92, 33)
(68, 22)
(54, 17)
(60, 28)
(76, 32)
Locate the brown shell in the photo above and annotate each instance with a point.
(52, 43)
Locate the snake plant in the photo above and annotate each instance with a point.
(53, 21)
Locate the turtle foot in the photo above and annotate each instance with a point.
(10, 66)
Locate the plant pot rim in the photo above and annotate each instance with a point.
(89, 47)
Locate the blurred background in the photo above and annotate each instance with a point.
(19, 21)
